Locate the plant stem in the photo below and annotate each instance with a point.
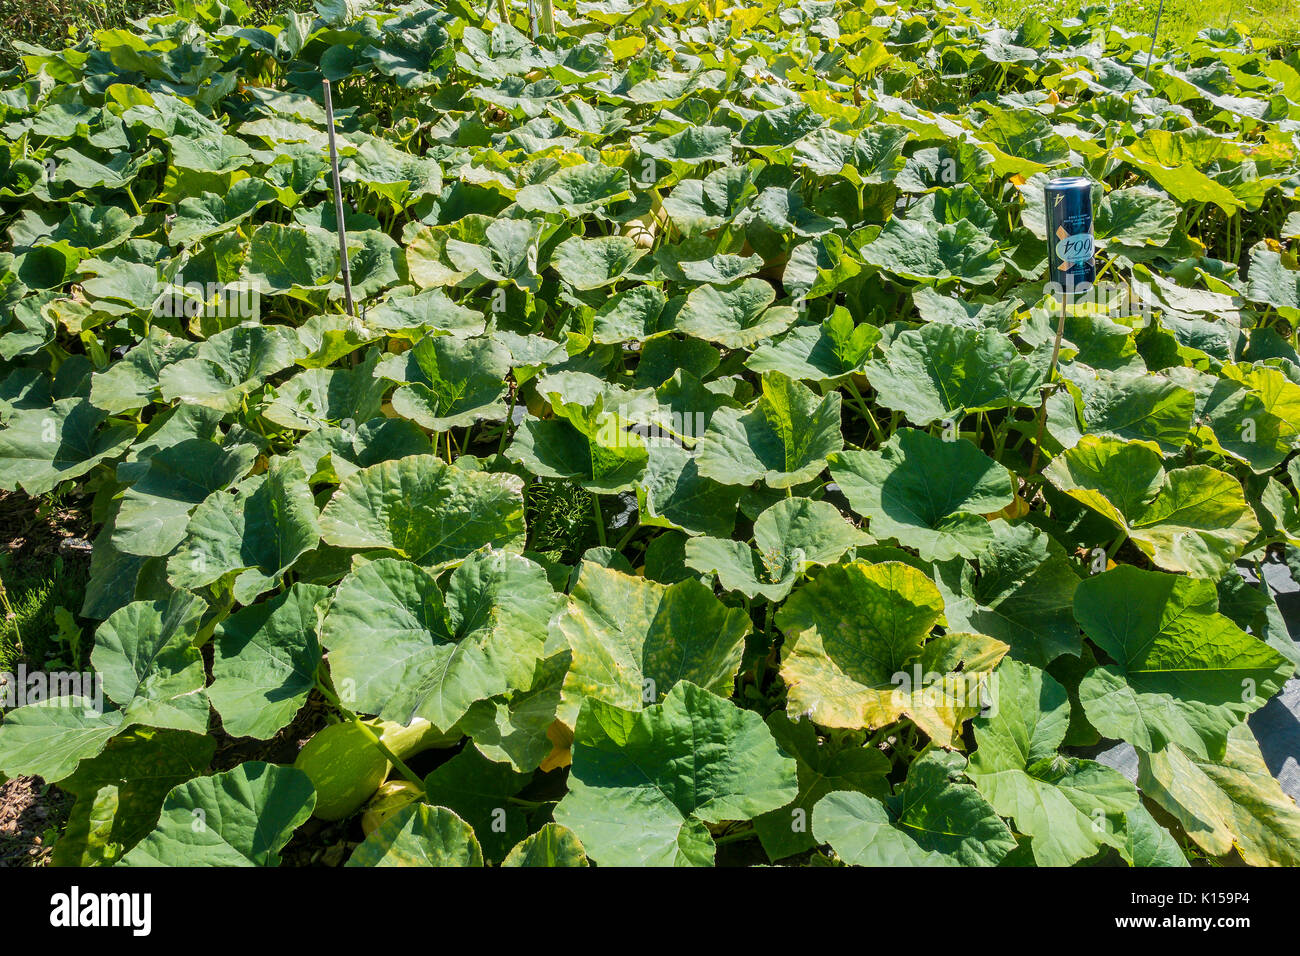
(1115, 545)
(633, 528)
(862, 407)
(600, 520)
(1051, 373)
(734, 837)
(370, 734)
(1000, 436)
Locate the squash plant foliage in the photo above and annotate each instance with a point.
(764, 285)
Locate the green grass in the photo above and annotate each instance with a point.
(561, 524)
(1271, 23)
(43, 595)
(56, 23)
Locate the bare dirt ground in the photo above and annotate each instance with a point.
(28, 809)
(31, 533)
(32, 527)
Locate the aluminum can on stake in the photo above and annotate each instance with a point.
(1070, 247)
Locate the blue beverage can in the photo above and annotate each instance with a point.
(1070, 247)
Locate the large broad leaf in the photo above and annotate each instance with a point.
(331, 336)
(392, 173)
(1070, 808)
(376, 262)
(936, 819)
(291, 258)
(872, 157)
(674, 494)
(630, 315)
(1232, 802)
(645, 785)
(265, 661)
(928, 493)
(594, 263)
(736, 315)
(1235, 418)
(50, 738)
(783, 440)
(41, 447)
(502, 250)
(420, 835)
(132, 381)
(248, 539)
(693, 145)
(481, 792)
(518, 726)
(552, 845)
(145, 663)
(789, 537)
(1011, 136)
(156, 507)
(944, 371)
(1182, 672)
(823, 766)
(1148, 843)
(1136, 216)
(823, 353)
(587, 441)
(229, 365)
(318, 397)
(709, 202)
(450, 381)
(1272, 283)
(926, 250)
(1193, 519)
(198, 217)
(331, 454)
(1131, 403)
(941, 811)
(815, 528)
(409, 315)
(242, 817)
(859, 830)
(634, 639)
(398, 649)
(146, 656)
(854, 656)
(120, 793)
(576, 190)
(1022, 594)
(423, 509)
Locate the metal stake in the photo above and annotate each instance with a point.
(338, 203)
(1152, 51)
(1051, 373)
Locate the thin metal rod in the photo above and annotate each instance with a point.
(1051, 374)
(1152, 50)
(338, 203)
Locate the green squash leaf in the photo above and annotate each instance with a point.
(645, 785)
(242, 817)
(925, 492)
(425, 510)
